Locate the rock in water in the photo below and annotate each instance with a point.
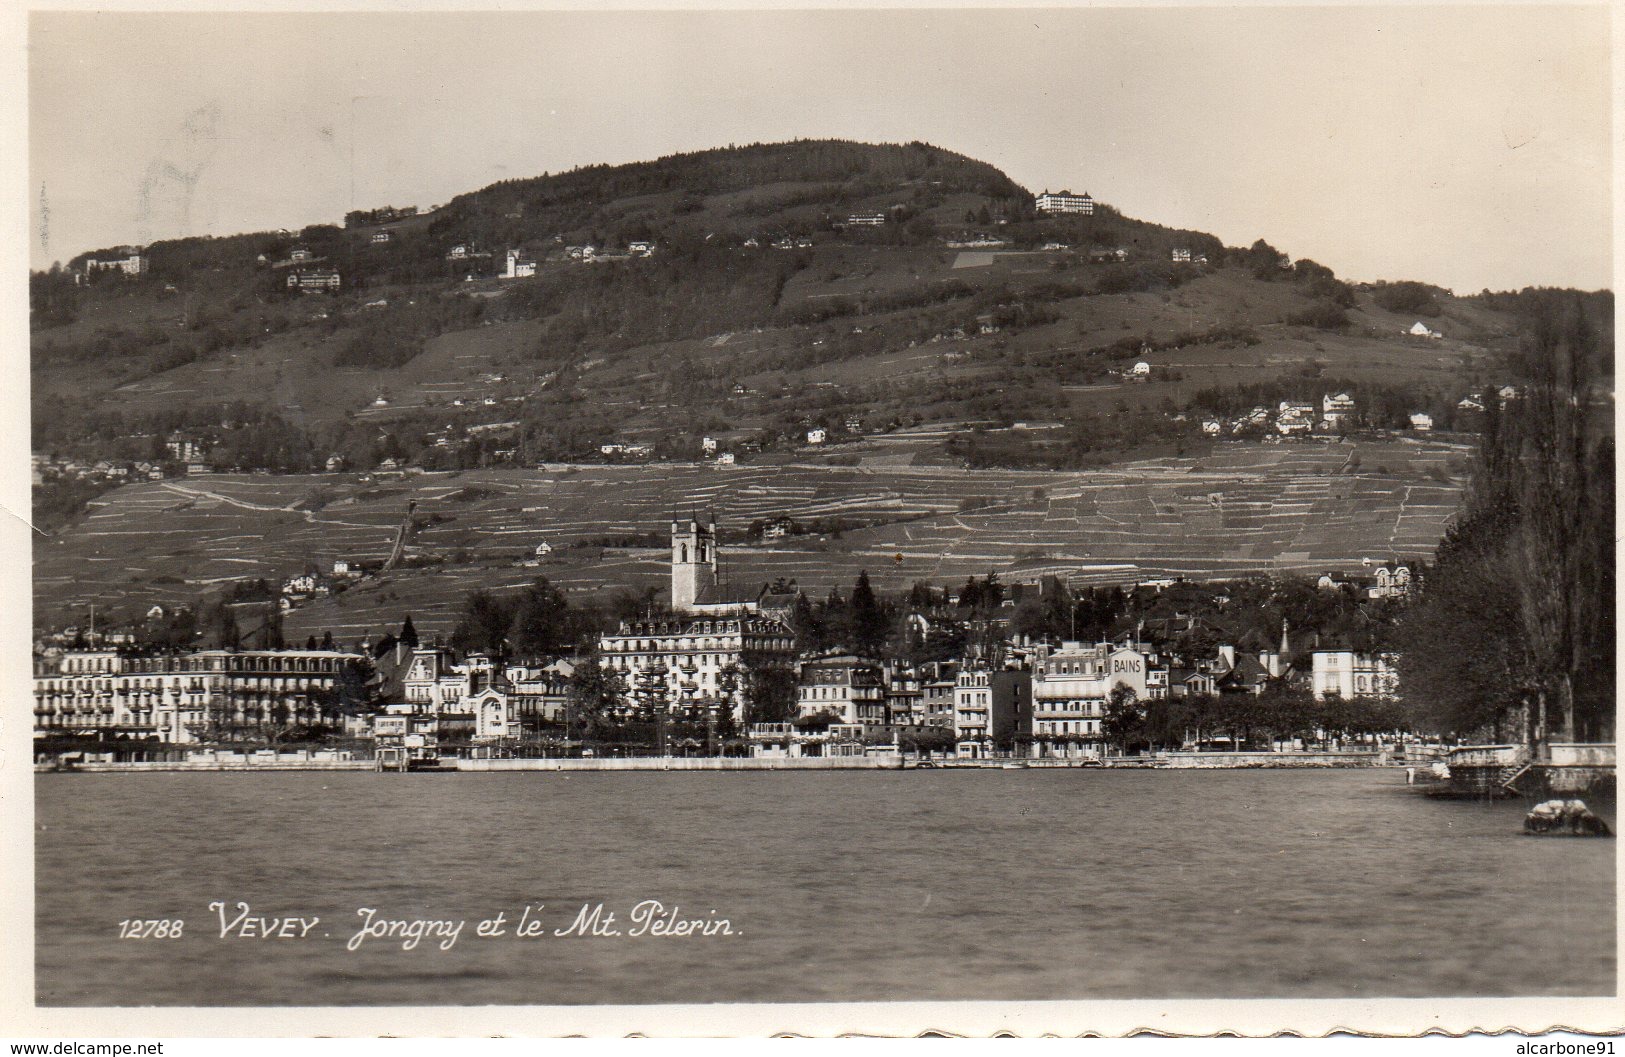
(1567, 818)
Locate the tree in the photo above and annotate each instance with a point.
(1124, 724)
(1517, 614)
(594, 693)
(542, 623)
(770, 693)
(409, 633)
(1286, 710)
(483, 626)
(869, 621)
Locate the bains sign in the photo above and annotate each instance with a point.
(1127, 668)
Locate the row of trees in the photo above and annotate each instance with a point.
(1283, 712)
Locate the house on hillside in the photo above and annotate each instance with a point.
(1294, 417)
(335, 463)
(776, 528)
(817, 435)
(1181, 255)
(300, 253)
(1336, 411)
(870, 220)
(1064, 202)
(130, 262)
(1140, 369)
(314, 281)
(1471, 402)
(1421, 421)
(725, 459)
(1392, 580)
(641, 248)
(1422, 330)
(380, 237)
(1212, 427)
(518, 267)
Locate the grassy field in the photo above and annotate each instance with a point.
(1241, 508)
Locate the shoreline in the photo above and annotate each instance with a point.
(1170, 762)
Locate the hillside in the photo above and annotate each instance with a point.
(887, 323)
(956, 328)
(1241, 508)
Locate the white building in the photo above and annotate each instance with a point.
(872, 220)
(817, 436)
(1421, 330)
(130, 261)
(1064, 202)
(1393, 580)
(1336, 409)
(518, 266)
(1181, 256)
(177, 697)
(973, 709)
(1072, 687)
(1421, 421)
(695, 661)
(842, 685)
(1347, 674)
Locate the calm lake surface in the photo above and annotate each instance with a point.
(843, 886)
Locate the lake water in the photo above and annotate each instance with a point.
(841, 886)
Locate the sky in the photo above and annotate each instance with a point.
(1466, 146)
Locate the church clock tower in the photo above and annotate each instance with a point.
(693, 561)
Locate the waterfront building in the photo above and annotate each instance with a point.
(1072, 688)
(1350, 674)
(688, 661)
(992, 710)
(182, 698)
(843, 685)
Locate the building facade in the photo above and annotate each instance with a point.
(848, 687)
(1348, 674)
(686, 662)
(1072, 688)
(184, 698)
(1064, 202)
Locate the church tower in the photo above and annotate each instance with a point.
(693, 561)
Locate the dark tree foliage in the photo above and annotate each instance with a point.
(1518, 616)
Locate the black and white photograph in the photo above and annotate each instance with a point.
(572, 511)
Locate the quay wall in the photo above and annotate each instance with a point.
(689, 763)
(1272, 760)
(123, 766)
